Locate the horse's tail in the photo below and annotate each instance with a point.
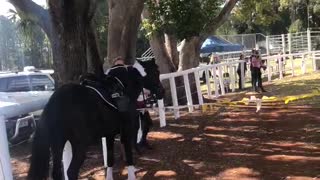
(39, 167)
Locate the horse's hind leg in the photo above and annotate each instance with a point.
(78, 156)
(57, 151)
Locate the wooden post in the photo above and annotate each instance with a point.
(197, 78)
(188, 92)
(174, 97)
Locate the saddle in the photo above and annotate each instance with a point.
(109, 88)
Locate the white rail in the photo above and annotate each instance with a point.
(28, 102)
(218, 69)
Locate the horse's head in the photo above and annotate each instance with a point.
(151, 80)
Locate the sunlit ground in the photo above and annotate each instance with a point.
(226, 143)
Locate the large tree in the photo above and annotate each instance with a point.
(71, 30)
(68, 26)
(187, 21)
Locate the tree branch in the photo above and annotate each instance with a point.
(221, 18)
(27, 9)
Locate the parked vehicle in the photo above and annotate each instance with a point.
(20, 128)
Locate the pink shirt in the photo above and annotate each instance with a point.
(256, 62)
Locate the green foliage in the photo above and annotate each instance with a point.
(297, 26)
(257, 12)
(101, 24)
(226, 29)
(184, 18)
(23, 43)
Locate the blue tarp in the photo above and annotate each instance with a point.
(214, 44)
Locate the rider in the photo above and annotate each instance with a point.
(128, 109)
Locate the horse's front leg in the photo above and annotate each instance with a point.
(78, 156)
(110, 160)
(129, 158)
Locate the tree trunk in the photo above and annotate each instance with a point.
(171, 46)
(124, 20)
(93, 53)
(70, 24)
(67, 26)
(161, 55)
(189, 53)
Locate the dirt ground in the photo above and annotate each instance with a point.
(223, 143)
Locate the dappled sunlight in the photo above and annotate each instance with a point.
(289, 144)
(252, 119)
(196, 139)
(233, 129)
(191, 126)
(228, 137)
(237, 154)
(300, 178)
(194, 164)
(290, 158)
(20, 165)
(149, 159)
(163, 135)
(238, 173)
(223, 136)
(165, 174)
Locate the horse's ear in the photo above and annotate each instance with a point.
(153, 60)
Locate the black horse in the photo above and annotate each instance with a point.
(78, 114)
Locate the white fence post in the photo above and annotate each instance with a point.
(280, 64)
(188, 92)
(174, 97)
(267, 45)
(303, 64)
(314, 61)
(66, 158)
(5, 164)
(283, 43)
(309, 40)
(104, 152)
(221, 80)
(197, 78)
(162, 115)
(208, 82)
(289, 43)
(214, 75)
(269, 69)
(292, 65)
